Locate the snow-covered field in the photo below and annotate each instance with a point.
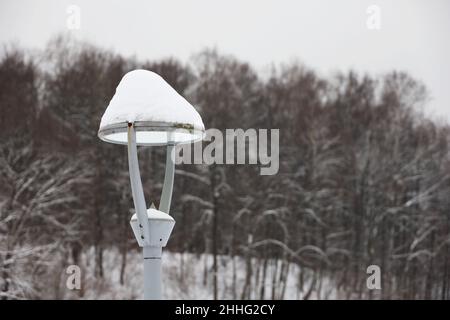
(185, 276)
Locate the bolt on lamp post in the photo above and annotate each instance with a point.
(147, 111)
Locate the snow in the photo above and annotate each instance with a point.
(183, 278)
(143, 95)
(155, 214)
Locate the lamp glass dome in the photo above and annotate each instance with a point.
(159, 114)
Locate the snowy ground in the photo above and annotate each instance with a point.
(187, 282)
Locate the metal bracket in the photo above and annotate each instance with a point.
(166, 196)
(136, 185)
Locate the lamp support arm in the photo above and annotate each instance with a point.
(136, 185)
(166, 196)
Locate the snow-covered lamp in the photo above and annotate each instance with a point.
(147, 111)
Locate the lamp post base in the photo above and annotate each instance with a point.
(152, 272)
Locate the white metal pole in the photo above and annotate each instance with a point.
(152, 273)
(151, 255)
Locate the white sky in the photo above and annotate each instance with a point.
(327, 35)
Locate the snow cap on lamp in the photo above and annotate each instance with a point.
(160, 115)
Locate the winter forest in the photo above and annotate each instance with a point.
(364, 179)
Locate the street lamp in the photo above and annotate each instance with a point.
(147, 111)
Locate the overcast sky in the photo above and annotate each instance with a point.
(327, 35)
